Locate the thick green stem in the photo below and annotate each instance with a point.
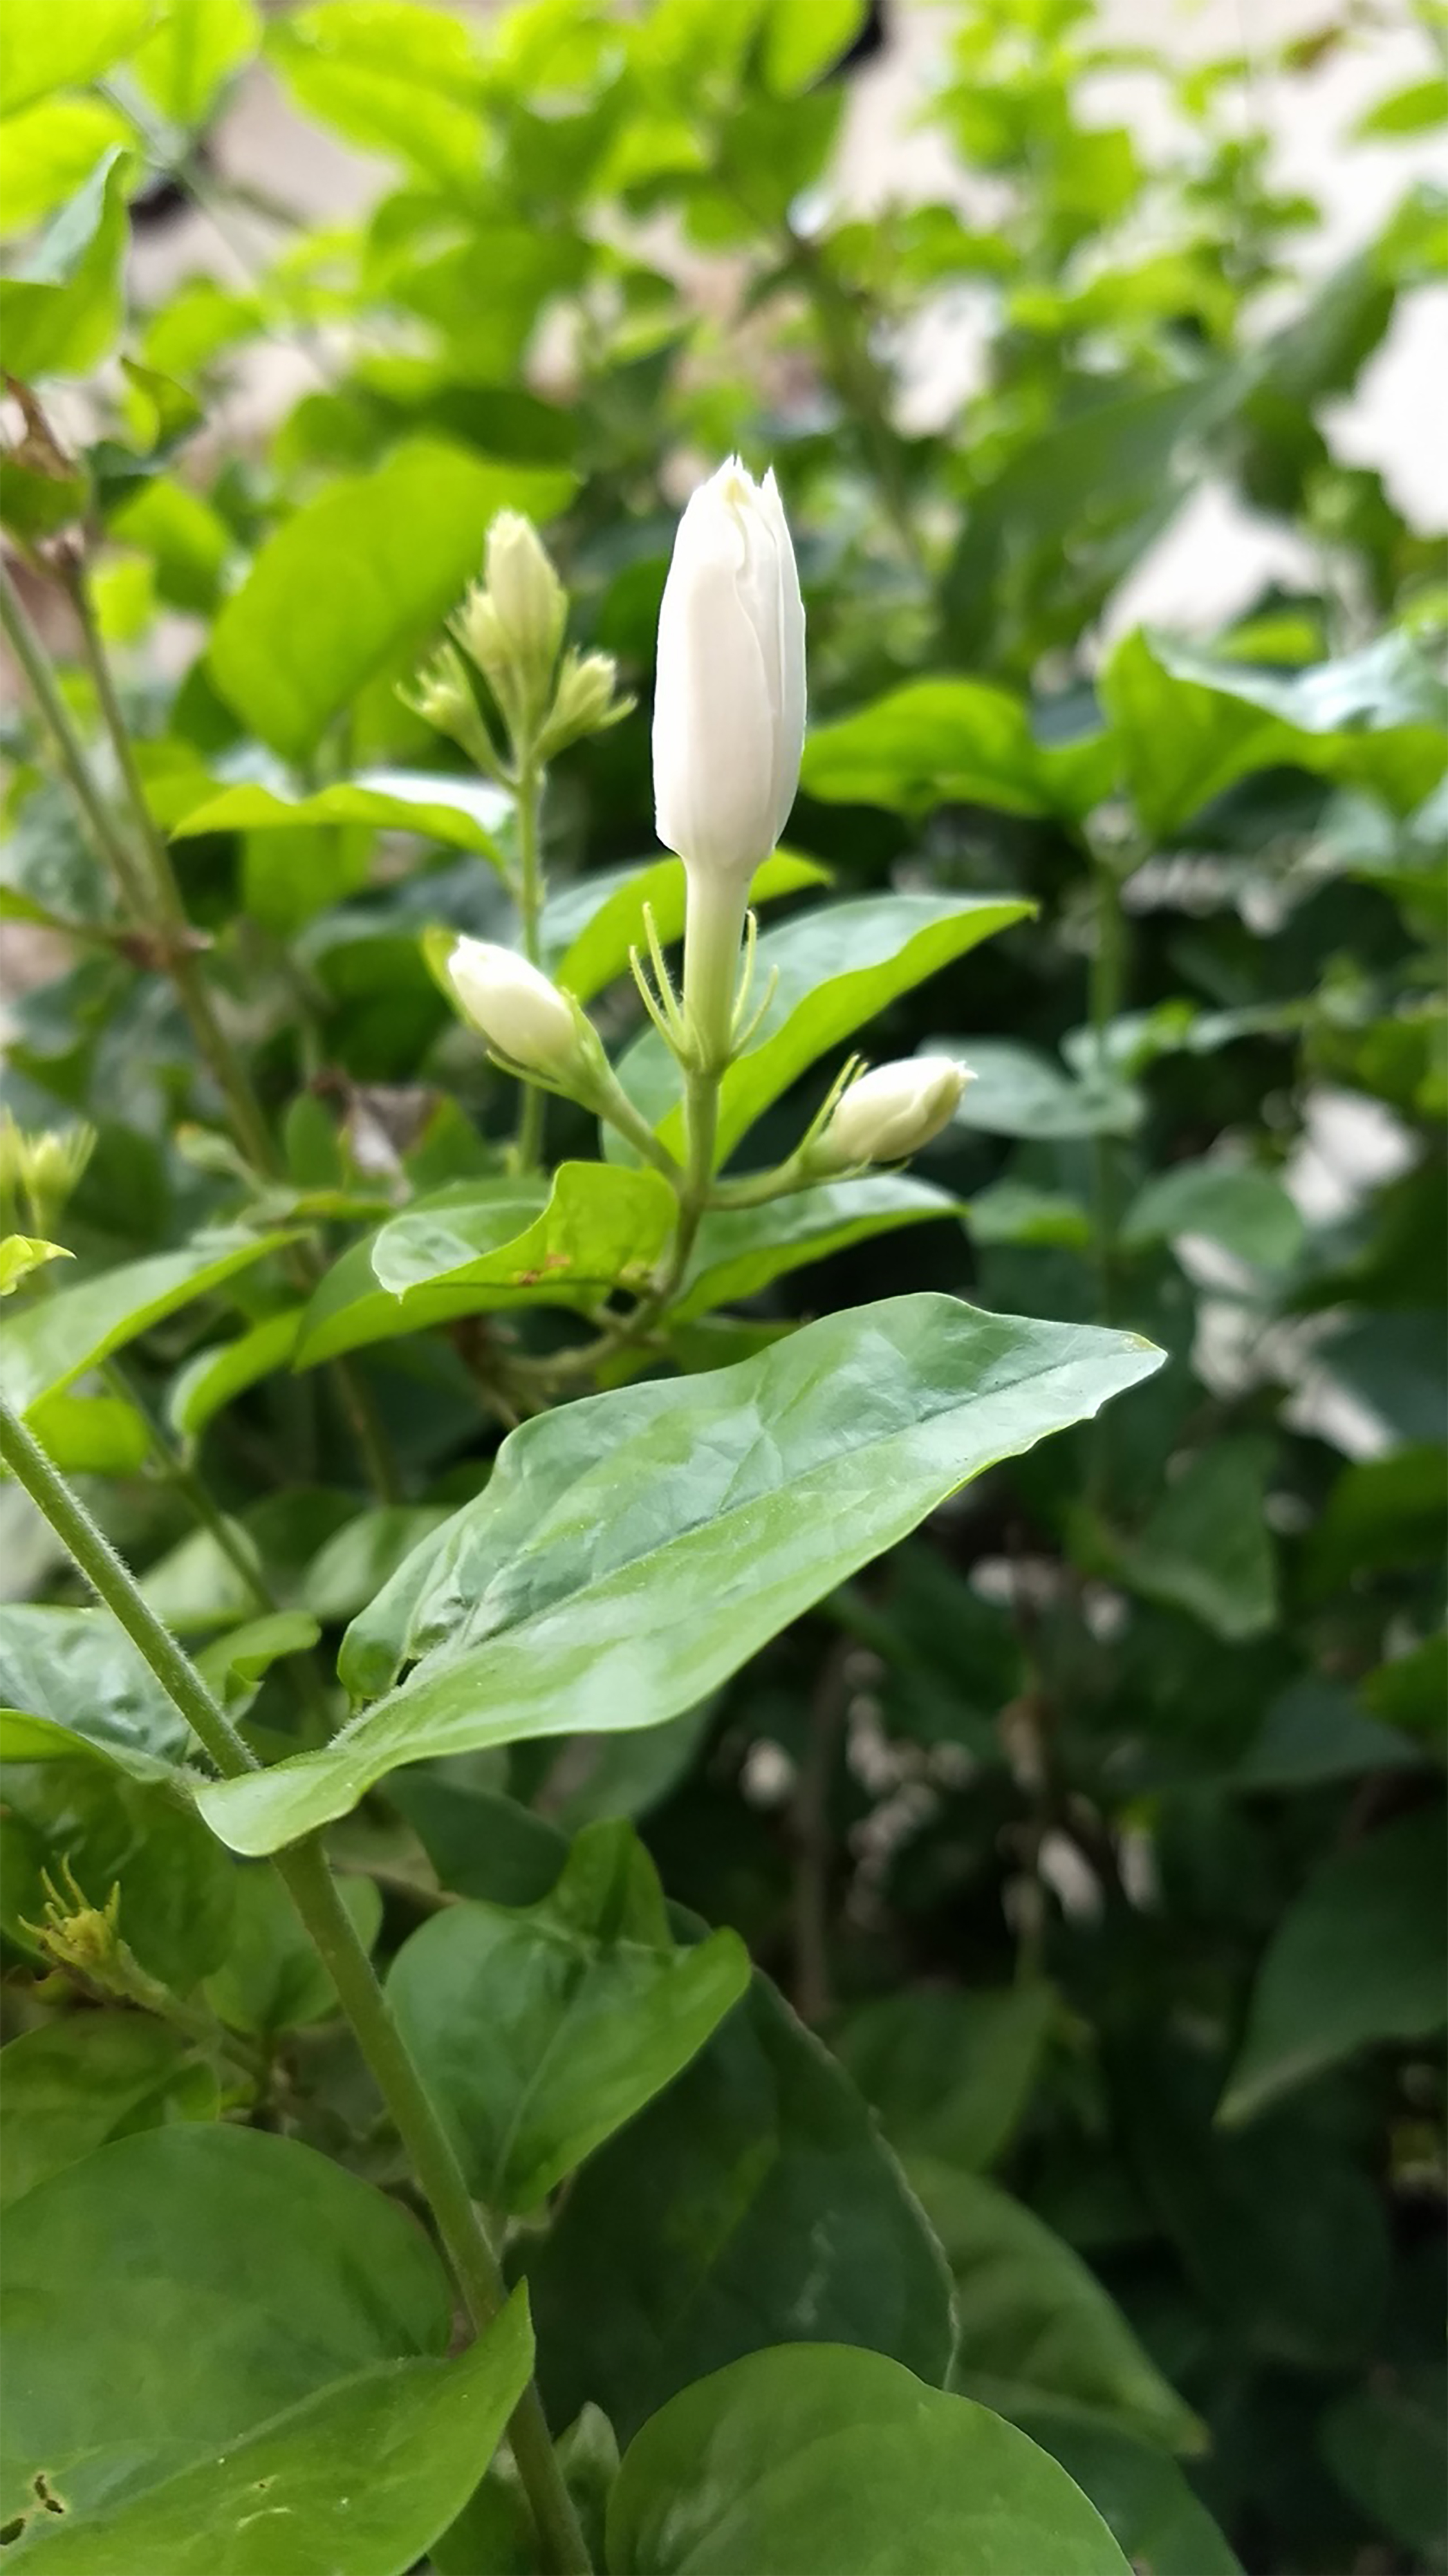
(533, 1110)
(306, 1874)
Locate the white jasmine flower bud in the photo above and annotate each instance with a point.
(891, 1112)
(522, 1015)
(729, 708)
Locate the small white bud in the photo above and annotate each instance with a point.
(522, 1015)
(891, 1112)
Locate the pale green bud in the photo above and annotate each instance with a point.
(511, 623)
(440, 694)
(890, 1113)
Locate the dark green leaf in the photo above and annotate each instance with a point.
(950, 2073)
(272, 1979)
(1388, 2447)
(1206, 1548)
(1244, 1209)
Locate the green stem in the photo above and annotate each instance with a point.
(1107, 973)
(55, 715)
(304, 1871)
(533, 1108)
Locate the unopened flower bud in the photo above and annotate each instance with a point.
(511, 623)
(443, 698)
(583, 702)
(891, 1112)
(524, 1017)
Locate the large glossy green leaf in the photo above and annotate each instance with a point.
(751, 2204)
(588, 929)
(950, 2073)
(479, 1245)
(359, 577)
(836, 968)
(738, 1251)
(953, 742)
(378, 2464)
(71, 1682)
(64, 44)
(144, 2322)
(460, 812)
(1361, 1956)
(61, 316)
(820, 2457)
(70, 2085)
(633, 1550)
(1190, 726)
(1031, 2319)
(541, 2029)
(49, 1345)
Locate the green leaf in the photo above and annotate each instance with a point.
(727, 1504)
(1206, 1547)
(69, 2086)
(949, 2073)
(1315, 1731)
(49, 152)
(738, 1251)
(1244, 1209)
(235, 1665)
(351, 1568)
(836, 969)
(1136, 2489)
(357, 580)
(91, 1828)
(20, 1254)
(396, 77)
(272, 1979)
(61, 317)
(1190, 727)
(197, 47)
(588, 929)
(805, 38)
(1383, 1513)
(71, 1682)
(540, 2030)
(1387, 2447)
(477, 1246)
(953, 742)
(52, 1344)
(1030, 2317)
(387, 2458)
(1415, 109)
(142, 2326)
(1362, 1956)
(92, 1435)
(215, 1377)
(751, 2204)
(64, 44)
(455, 811)
(1017, 1092)
(1411, 1690)
(820, 2457)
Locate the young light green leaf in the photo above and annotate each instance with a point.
(1362, 1956)
(396, 78)
(836, 969)
(456, 811)
(71, 1682)
(541, 2029)
(68, 2086)
(953, 742)
(198, 46)
(726, 1504)
(52, 1344)
(589, 928)
(50, 151)
(479, 1245)
(20, 1254)
(65, 44)
(91, 1435)
(1033, 2322)
(820, 2457)
(60, 317)
(359, 578)
(738, 1251)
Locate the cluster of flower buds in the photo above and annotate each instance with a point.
(510, 628)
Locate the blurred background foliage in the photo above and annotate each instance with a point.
(1098, 1831)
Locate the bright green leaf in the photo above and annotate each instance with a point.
(391, 75)
(820, 2457)
(727, 1503)
(480, 1245)
(359, 578)
(198, 46)
(61, 316)
(459, 812)
(738, 1251)
(588, 929)
(91, 1435)
(52, 1344)
(236, 1664)
(952, 742)
(63, 44)
(805, 38)
(20, 1254)
(540, 2030)
(47, 152)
